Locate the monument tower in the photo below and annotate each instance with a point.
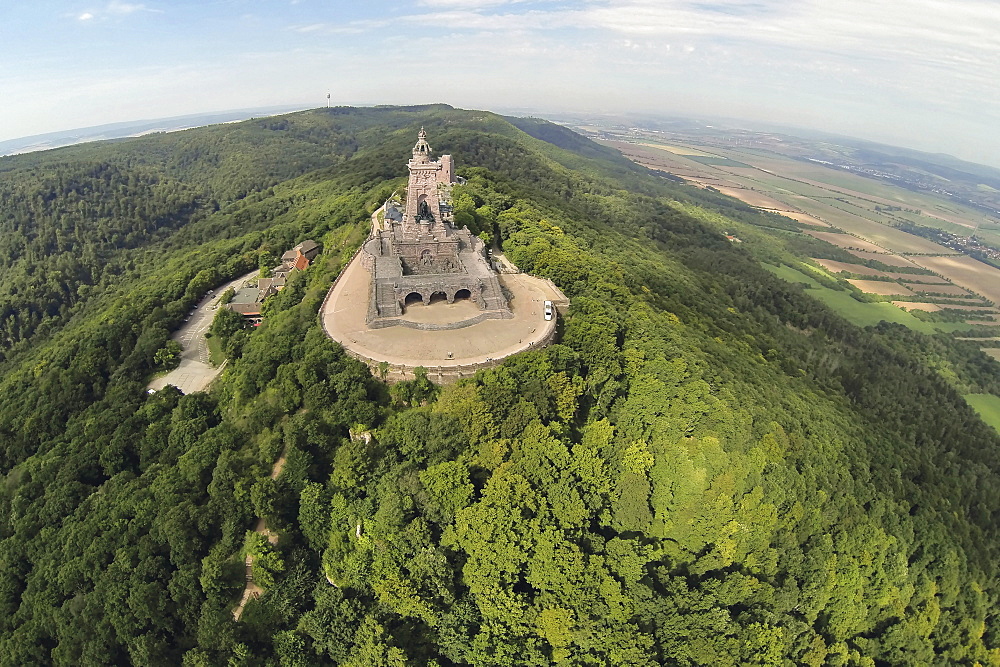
(418, 253)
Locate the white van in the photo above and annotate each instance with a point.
(549, 310)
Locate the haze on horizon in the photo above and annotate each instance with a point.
(919, 74)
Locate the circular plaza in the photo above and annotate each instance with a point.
(448, 339)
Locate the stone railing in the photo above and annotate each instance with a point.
(561, 301)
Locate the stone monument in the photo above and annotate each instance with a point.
(417, 254)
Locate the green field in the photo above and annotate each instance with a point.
(988, 407)
(856, 312)
(215, 353)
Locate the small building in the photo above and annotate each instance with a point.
(301, 255)
(248, 300)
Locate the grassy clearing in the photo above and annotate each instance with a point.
(988, 407)
(215, 353)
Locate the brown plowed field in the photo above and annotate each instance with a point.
(950, 290)
(804, 218)
(934, 307)
(891, 260)
(845, 241)
(881, 287)
(965, 271)
(837, 267)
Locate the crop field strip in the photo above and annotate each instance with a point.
(804, 218)
(844, 267)
(881, 287)
(945, 289)
(882, 256)
(846, 241)
(936, 307)
(967, 272)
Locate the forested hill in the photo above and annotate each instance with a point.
(710, 468)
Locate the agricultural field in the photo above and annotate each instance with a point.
(844, 267)
(846, 209)
(845, 241)
(919, 278)
(848, 218)
(882, 256)
(935, 307)
(971, 274)
(676, 150)
(761, 200)
(881, 287)
(937, 288)
(805, 218)
(717, 161)
(851, 201)
(918, 305)
(931, 210)
(856, 312)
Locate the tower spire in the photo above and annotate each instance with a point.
(422, 150)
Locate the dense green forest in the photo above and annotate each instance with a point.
(709, 468)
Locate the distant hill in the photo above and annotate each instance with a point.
(50, 140)
(710, 467)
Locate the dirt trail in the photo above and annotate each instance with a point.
(252, 591)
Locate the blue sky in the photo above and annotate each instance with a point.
(917, 73)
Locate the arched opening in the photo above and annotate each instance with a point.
(463, 295)
(426, 258)
(437, 297)
(412, 298)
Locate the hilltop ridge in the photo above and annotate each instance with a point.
(711, 467)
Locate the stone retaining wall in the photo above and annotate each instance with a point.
(382, 323)
(446, 374)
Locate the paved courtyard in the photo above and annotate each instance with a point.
(343, 317)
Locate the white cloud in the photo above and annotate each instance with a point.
(467, 4)
(124, 8)
(348, 28)
(116, 8)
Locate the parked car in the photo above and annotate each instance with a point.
(549, 310)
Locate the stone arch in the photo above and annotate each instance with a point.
(426, 257)
(413, 298)
(437, 297)
(462, 295)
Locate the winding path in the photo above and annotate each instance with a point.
(252, 591)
